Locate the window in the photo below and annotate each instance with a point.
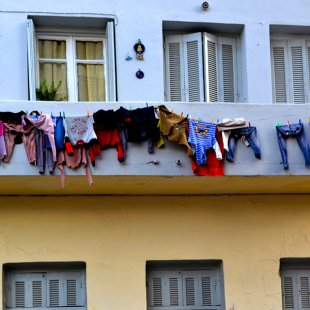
(295, 280)
(45, 285)
(291, 69)
(185, 285)
(202, 67)
(79, 62)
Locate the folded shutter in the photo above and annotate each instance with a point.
(31, 40)
(174, 68)
(111, 62)
(227, 69)
(210, 67)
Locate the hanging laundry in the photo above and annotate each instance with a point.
(213, 166)
(249, 136)
(44, 122)
(3, 152)
(226, 125)
(73, 162)
(141, 125)
(173, 127)
(202, 138)
(44, 155)
(79, 129)
(294, 131)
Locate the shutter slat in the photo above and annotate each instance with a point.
(298, 74)
(54, 293)
(279, 74)
(174, 291)
(228, 73)
(175, 83)
(193, 71)
(212, 72)
(20, 294)
(304, 292)
(190, 291)
(288, 293)
(71, 293)
(206, 291)
(37, 294)
(157, 292)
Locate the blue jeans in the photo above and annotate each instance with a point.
(248, 134)
(294, 131)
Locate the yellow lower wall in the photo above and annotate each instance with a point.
(115, 236)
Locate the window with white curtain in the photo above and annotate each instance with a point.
(184, 285)
(291, 69)
(80, 65)
(45, 286)
(202, 67)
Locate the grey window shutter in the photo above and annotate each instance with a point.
(303, 288)
(298, 66)
(289, 290)
(31, 54)
(227, 69)
(174, 68)
(194, 89)
(279, 74)
(111, 62)
(211, 67)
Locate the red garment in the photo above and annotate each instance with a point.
(212, 166)
(107, 138)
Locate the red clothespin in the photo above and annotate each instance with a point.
(88, 113)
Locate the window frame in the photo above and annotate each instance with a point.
(27, 273)
(71, 35)
(286, 42)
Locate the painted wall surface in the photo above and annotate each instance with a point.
(116, 236)
(144, 20)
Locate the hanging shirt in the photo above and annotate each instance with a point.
(202, 138)
(79, 129)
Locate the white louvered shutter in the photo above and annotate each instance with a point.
(210, 67)
(31, 54)
(298, 65)
(227, 69)
(66, 289)
(279, 71)
(303, 285)
(174, 61)
(111, 62)
(194, 88)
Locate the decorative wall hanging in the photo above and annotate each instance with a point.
(140, 74)
(128, 57)
(139, 49)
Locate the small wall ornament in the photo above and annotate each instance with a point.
(140, 74)
(139, 49)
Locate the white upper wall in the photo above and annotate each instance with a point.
(143, 20)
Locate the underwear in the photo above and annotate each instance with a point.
(202, 138)
(79, 130)
(173, 127)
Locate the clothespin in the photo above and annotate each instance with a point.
(188, 116)
(60, 114)
(40, 112)
(199, 120)
(277, 124)
(212, 120)
(218, 120)
(249, 124)
(130, 108)
(26, 112)
(63, 113)
(88, 113)
(288, 122)
(300, 121)
(181, 113)
(146, 105)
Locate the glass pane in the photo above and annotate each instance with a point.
(52, 49)
(86, 50)
(91, 82)
(55, 74)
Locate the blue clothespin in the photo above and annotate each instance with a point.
(147, 105)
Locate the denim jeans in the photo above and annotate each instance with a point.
(294, 131)
(248, 134)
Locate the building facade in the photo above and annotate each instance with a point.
(148, 233)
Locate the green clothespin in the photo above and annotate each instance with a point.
(278, 124)
(199, 120)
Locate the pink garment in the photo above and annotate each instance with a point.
(28, 135)
(2, 142)
(45, 123)
(79, 157)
